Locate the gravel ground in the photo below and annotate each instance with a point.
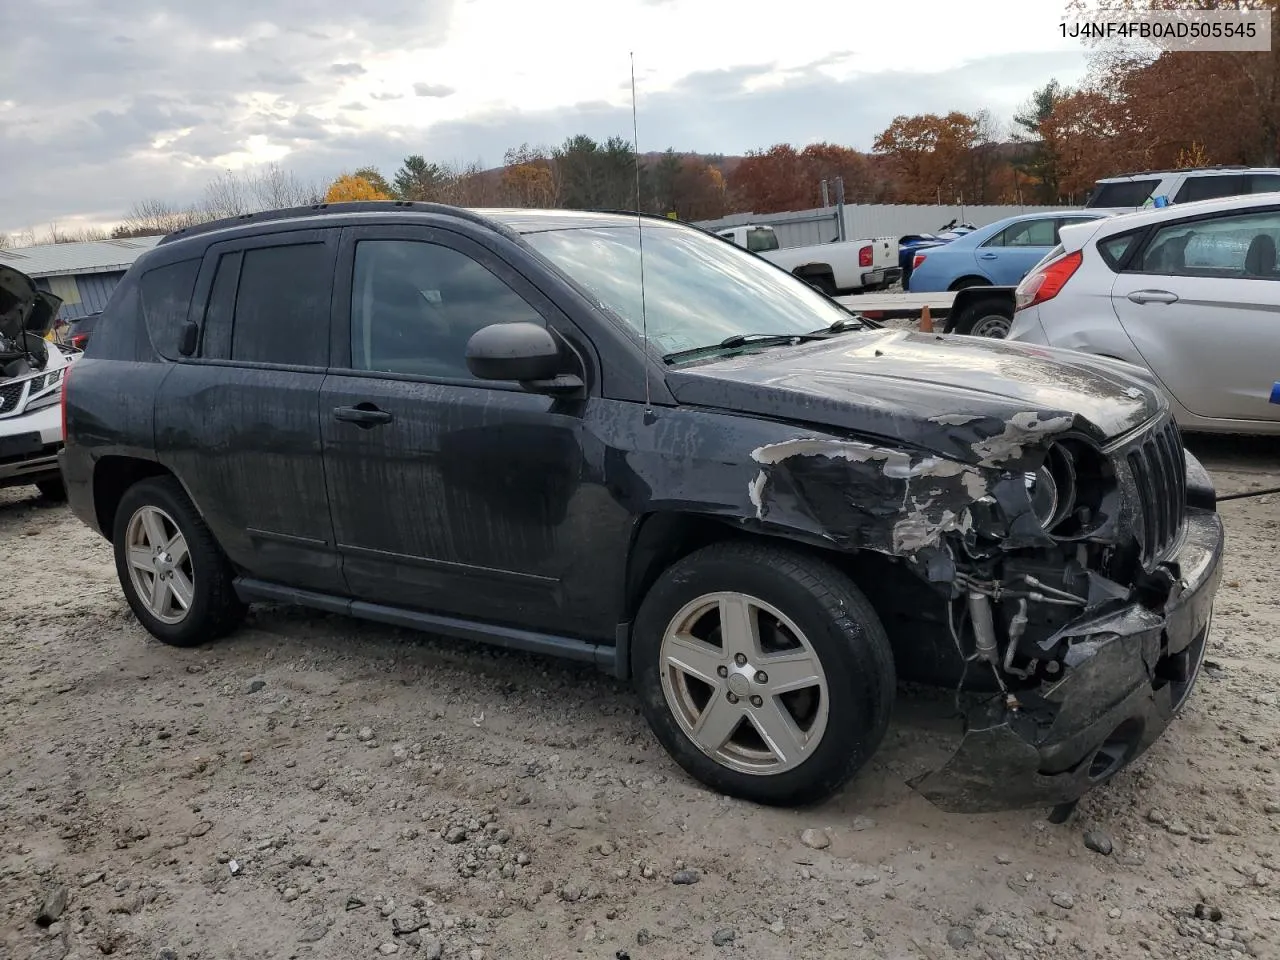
(318, 787)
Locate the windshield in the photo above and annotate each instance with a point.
(698, 290)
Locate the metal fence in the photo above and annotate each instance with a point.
(801, 227)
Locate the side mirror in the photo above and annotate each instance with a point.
(524, 352)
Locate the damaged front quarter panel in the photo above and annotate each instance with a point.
(871, 496)
(1077, 657)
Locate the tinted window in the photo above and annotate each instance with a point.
(414, 306)
(1029, 233)
(166, 295)
(1209, 188)
(282, 305)
(1264, 182)
(1126, 193)
(1242, 246)
(1113, 249)
(216, 335)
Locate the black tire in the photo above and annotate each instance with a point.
(826, 284)
(841, 626)
(215, 609)
(983, 316)
(54, 490)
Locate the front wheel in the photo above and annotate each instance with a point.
(174, 575)
(764, 672)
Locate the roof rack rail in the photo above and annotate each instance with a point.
(349, 206)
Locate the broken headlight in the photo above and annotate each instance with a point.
(1052, 488)
(1074, 492)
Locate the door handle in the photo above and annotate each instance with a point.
(362, 415)
(987, 256)
(1153, 296)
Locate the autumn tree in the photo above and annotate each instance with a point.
(1229, 102)
(771, 181)
(1081, 134)
(931, 155)
(348, 187)
(373, 176)
(528, 177)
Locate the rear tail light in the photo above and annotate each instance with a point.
(79, 340)
(916, 261)
(1047, 282)
(864, 257)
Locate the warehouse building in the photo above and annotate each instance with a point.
(82, 274)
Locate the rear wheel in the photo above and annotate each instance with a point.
(174, 575)
(824, 283)
(764, 672)
(53, 490)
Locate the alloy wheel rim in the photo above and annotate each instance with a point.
(160, 567)
(744, 683)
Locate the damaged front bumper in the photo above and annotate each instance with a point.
(1126, 675)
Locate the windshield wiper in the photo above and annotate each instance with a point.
(745, 339)
(842, 325)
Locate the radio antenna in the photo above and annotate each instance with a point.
(644, 316)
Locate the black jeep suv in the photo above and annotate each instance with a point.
(621, 440)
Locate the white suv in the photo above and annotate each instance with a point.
(1192, 292)
(1134, 190)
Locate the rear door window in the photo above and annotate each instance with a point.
(1264, 182)
(282, 305)
(1029, 233)
(270, 301)
(1210, 188)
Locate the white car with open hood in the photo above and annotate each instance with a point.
(31, 374)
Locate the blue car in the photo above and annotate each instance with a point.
(909, 245)
(999, 254)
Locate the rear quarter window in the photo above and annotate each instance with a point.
(1114, 249)
(166, 297)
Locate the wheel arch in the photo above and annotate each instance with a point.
(922, 648)
(969, 280)
(112, 477)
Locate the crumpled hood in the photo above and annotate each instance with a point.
(24, 307)
(923, 388)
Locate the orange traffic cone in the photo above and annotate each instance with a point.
(926, 321)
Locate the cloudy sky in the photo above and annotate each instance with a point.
(104, 102)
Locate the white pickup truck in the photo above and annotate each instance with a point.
(851, 266)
